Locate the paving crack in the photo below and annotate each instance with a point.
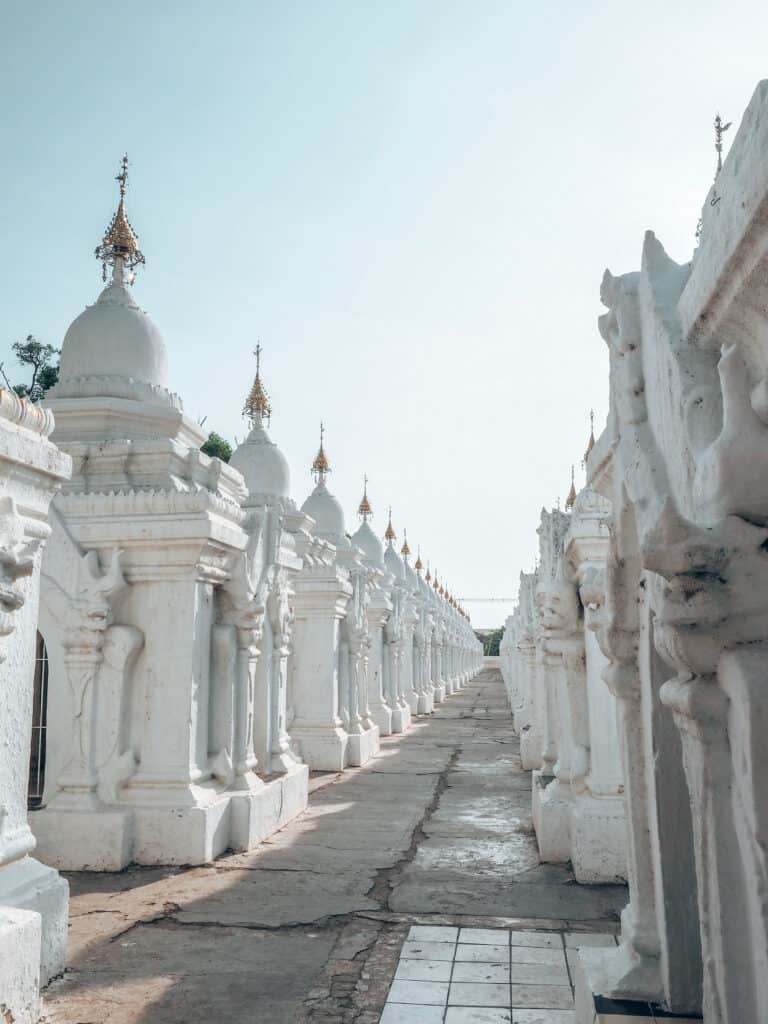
(384, 883)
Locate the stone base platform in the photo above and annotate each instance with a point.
(257, 815)
(599, 839)
(552, 805)
(401, 718)
(163, 834)
(382, 716)
(28, 885)
(19, 965)
(361, 747)
(323, 747)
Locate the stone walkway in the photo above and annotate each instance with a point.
(309, 927)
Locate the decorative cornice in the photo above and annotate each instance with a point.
(149, 502)
(115, 387)
(26, 414)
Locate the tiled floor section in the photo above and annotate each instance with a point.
(485, 976)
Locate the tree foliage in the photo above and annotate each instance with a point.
(44, 363)
(218, 447)
(490, 639)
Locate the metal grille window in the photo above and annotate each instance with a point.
(39, 724)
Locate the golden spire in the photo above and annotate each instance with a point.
(591, 441)
(257, 407)
(428, 577)
(364, 510)
(417, 565)
(570, 501)
(389, 533)
(119, 248)
(436, 585)
(321, 465)
(405, 550)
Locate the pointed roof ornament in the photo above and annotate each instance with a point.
(570, 501)
(364, 509)
(389, 533)
(591, 441)
(405, 550)
(418, 565)
(119, 248)
(435, 584)
(321, 466)
(428, 576)
(257, 406)
(720, 130)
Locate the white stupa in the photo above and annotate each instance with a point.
(410, 576)
(264, 467)
(364, 537)
(114, 348)
(113, 374)
(322, 506)
(392, 560)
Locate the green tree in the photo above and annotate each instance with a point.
(217, 447)
(43, 359)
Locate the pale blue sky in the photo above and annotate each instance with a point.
(410, 204)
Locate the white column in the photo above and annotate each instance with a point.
(33, 897)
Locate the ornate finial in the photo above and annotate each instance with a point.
(257, 407)
(428, 576)
(321, 467)
(389, 533)
(591, 441)
(720, 130)
(435, 584)
(119, 248)
(417, 565)
(570, 501)
(405, 550)
(364, 510)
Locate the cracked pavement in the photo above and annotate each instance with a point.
(307, 928)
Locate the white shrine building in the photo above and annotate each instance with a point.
(179, 643)
(637, 657)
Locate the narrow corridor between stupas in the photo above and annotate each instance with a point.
(309, 926)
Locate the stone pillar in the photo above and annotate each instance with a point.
(401, 710)
(425, 699)
(598, 824)
(527, 657)
(439, 642)
(321, 597)
(363, 741)
(33, 897)
(379, 684)
(409, 622)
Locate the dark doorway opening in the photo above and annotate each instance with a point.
(39, 726)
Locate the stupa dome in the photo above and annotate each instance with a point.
(264, 467)
(113, 338)
(114, 348)
(327, 512)
(394, 563)
(370, 544)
